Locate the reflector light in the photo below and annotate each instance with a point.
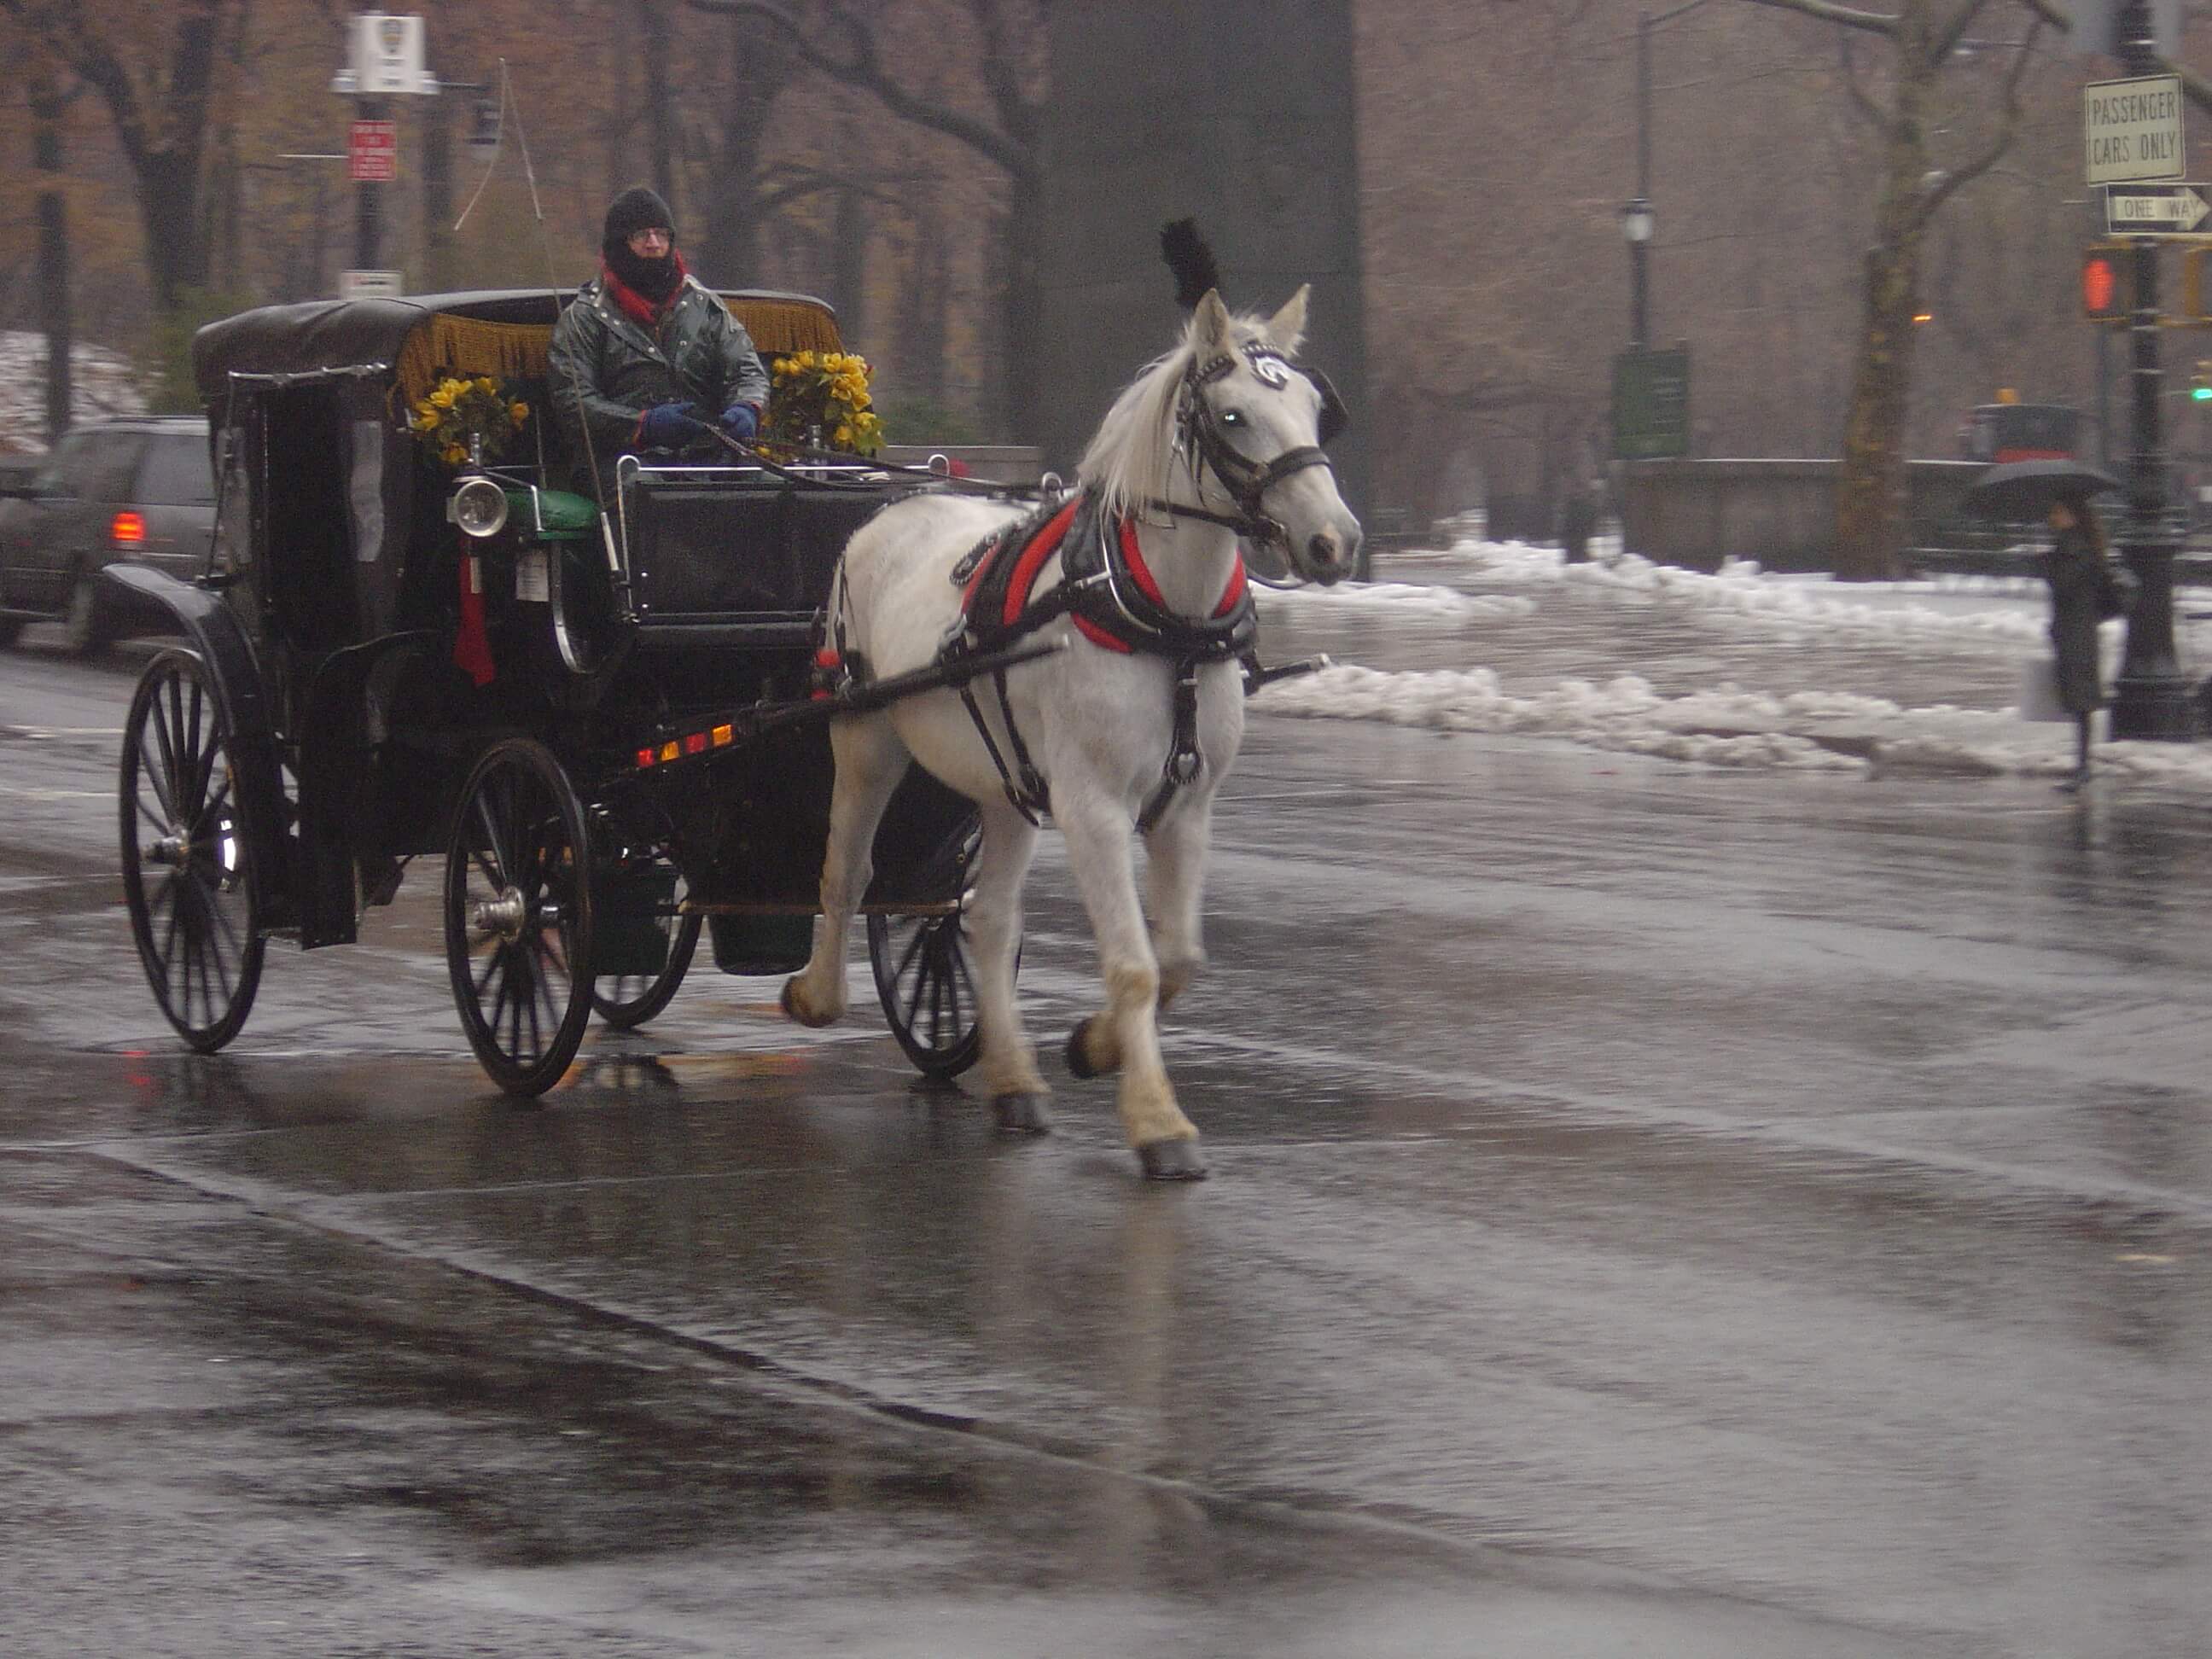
(645, 757)
(128, 530)
(670, 751)
(479, 507)
(724, 736)
(695, 744)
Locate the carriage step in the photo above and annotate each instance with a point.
(760, 945)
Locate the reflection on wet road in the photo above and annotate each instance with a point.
(1783, 1200)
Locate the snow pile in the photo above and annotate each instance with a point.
(1395, 599)
(1834, 630)
(1741, 589)
(101, 382)
(1624, 713)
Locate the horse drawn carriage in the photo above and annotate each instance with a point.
(614, 720)
(607, 722)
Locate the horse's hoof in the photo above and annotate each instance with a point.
(1172, 1160)
(1022, 1115)
(1079, 1063)
(790, 1001)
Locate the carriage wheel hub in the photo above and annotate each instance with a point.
(170, 849)
(503, 916)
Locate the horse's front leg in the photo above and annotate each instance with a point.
(1098, 836)
(1174, 879)
(870, 761)
(993, 920)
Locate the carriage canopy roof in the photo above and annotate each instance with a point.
(500, 332)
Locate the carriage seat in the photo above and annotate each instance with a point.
(726, 554)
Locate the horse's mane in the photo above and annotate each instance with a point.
(1130, 459)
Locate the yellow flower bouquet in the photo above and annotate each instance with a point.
(819, 399)
(464, 418)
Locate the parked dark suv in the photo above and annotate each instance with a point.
(135, 490)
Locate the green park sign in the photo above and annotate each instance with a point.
(1651, 404)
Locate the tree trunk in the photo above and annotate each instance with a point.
(1873, 495)
(659, 100)
(54, 317)
(848, 254)
(922, 339)
(176, 240)
(1022, 307)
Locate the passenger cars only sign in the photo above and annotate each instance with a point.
(2133, 129)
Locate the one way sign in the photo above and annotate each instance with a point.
(2154, 210)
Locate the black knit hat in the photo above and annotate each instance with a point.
(636, 208)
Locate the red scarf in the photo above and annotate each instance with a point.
(635, 304)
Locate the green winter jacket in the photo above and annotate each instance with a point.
(605, 369)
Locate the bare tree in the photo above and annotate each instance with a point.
(159, 85)
(49, 101)
(845, 41)
(1871, 497)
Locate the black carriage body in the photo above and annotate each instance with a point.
(329, 618)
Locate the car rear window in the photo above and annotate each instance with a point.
(176, 472)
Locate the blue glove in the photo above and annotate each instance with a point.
(670, 426)
(741, 422)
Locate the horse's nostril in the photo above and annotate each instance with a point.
(1323, 548)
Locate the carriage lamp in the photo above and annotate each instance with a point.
(479, 508)
(128, 530)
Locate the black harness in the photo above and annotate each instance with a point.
(1106, 591)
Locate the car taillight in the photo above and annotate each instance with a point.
(128, 530)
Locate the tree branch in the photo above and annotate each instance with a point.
(1873, 22)
(863, 69)
(2009, 123)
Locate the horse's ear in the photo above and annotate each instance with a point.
(1287, 327)
(1209, 325)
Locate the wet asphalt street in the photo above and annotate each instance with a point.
(1656, 1210)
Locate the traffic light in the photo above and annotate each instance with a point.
(2196, 306)
(2108, 285)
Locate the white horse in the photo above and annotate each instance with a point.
(1218, 438)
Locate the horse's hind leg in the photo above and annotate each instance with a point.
(1175, 877)
(1018, 1092)
(1099, 854)
(870, 761)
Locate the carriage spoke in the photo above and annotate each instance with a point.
(213, 808)
(499, 978)
(908, 957)
(494, 844)
(149, 814)
(163, 776)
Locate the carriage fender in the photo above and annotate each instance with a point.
(212, 628)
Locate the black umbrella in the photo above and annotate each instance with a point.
(2024, 489)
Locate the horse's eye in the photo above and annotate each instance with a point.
(1232, 417)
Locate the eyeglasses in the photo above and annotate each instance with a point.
(641, 240)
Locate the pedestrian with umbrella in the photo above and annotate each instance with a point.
(2086, 588)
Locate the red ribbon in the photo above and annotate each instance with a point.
(471, 644)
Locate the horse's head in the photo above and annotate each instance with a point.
(1251, 422)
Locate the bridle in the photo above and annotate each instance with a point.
(1199, 436)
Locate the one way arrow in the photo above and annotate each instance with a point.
(2180, 209)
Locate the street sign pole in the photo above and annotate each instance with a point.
(2151, 698)
(368, 219)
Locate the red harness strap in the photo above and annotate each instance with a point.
(1142, 573)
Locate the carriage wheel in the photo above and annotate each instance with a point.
(519, 916)
(922, 978)
(626, 1001)
(187, 862)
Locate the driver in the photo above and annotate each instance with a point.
(647, 360)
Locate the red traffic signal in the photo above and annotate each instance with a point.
(2107, 282)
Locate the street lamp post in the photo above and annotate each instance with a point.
(1636, 224)
(2151, 697)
